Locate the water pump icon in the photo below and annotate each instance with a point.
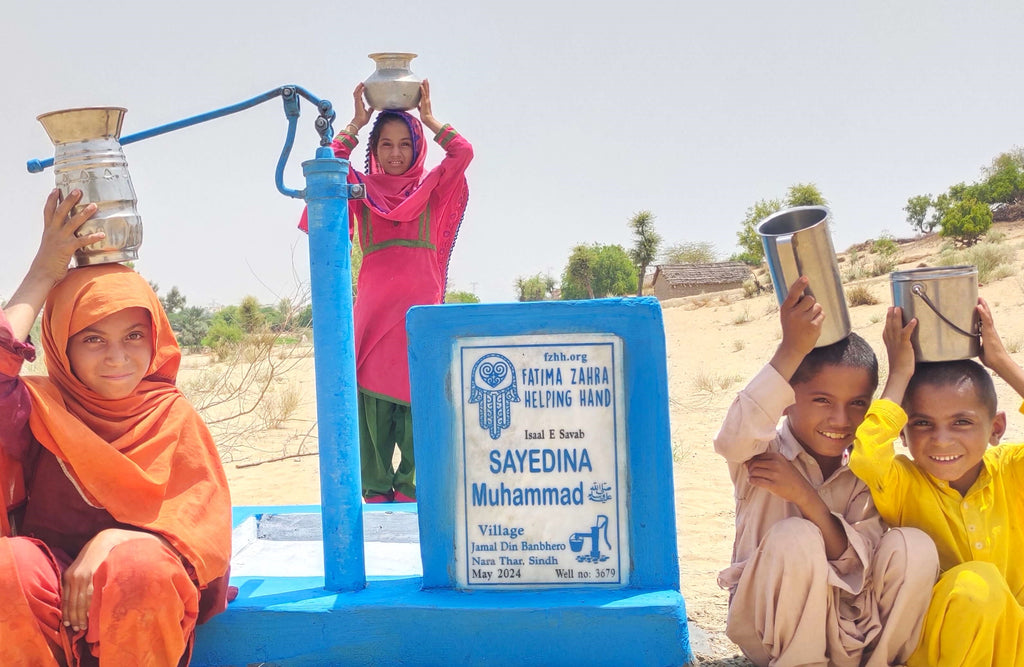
(594, 534)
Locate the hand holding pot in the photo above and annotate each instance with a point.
(362, 113)
(426, 113)
(900, 352)
(802, 318)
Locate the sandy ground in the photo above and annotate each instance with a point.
(715, 344)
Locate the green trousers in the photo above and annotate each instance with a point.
(383, 424)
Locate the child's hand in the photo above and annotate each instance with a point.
(802, 318)
(78, 589)
(59, 242)
(426, 112)
(993, 352)
(772, 471)
(900, 353)
(362, 113)
(50, 265)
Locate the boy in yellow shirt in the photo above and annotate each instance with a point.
(965, 495)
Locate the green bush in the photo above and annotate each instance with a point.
(221, 333)
(966, 221)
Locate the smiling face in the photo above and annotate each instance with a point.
(828, 409)
(112, 355)
(394, 150)
(948, 430)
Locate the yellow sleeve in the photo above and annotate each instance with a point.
(874, 458)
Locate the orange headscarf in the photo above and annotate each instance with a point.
(147, 459)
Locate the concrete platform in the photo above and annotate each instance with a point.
(284, 616)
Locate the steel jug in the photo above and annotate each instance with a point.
(393, 86)
(88, 157)
(797, 242)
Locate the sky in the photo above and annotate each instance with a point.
(580, 115)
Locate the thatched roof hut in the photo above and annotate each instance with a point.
(675, 280)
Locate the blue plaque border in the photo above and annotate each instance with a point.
(433, 331)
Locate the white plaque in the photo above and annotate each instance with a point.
(543, 479)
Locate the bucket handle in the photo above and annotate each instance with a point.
(918, 289)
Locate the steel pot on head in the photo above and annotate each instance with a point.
(88, 157)
(797, 242)
(392, 86)
(944, 301)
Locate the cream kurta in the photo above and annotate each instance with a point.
(788, 603)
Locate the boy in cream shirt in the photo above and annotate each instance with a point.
(814, 579)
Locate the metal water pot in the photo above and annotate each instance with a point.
(393, 86)
(797, 242)
(88, 157)
(944, 301)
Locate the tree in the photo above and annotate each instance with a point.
(598, 271)
(752, 250)
(917, 212)
(805, 194)
(646, 242)
(538, 287)
(966, 221)
(579, 273)
(1004, 178)
(250, 315)
(190, 326)
(174, 301)
(460, 296)
(304, 318)
(798, 194)
(689, 252)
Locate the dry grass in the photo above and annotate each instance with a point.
(742, 317)
(860, 295)
(710, 383)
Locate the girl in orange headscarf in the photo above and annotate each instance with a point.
(116, 525)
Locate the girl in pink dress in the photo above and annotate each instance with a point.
(407, 227)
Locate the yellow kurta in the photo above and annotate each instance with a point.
(975, 617)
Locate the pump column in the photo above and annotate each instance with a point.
(330, 270)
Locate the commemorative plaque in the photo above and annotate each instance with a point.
(542, 479)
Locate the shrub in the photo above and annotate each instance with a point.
(742, 318)
(221, 333)
(966, 221)
(994, 260)
(860, 295)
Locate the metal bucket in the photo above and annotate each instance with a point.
(88, 156)
(943, 300)
(797, 243)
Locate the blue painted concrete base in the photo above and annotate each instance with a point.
(294, 621)
(278, 620)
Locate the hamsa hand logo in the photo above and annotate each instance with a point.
(493, 386)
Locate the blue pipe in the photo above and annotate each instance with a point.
(36, 166)
(291, 112)
(330, 270)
